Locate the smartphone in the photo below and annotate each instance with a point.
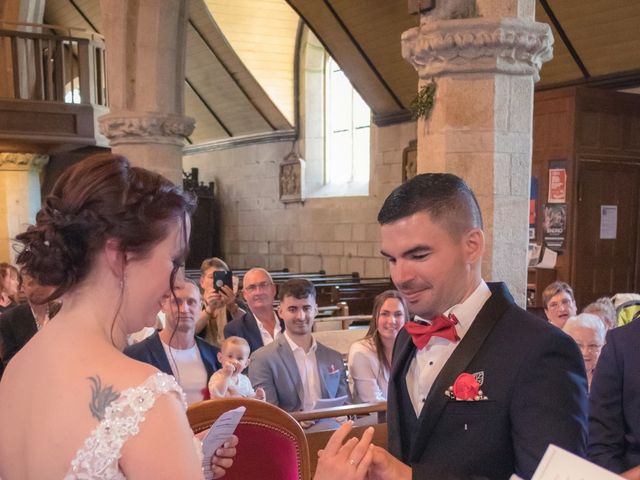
(221, 278)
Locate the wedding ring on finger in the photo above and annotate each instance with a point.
(352, 462)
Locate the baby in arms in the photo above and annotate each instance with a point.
(228, 381)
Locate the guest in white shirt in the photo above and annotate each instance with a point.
(260, 326)
(370, 358)
(176, 350)
(295, 371)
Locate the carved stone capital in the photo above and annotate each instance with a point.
(472, 45)
(130, 127)
(23, 161)
(291, 179)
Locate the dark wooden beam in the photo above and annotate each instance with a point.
(565, 38)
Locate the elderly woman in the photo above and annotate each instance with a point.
(559, 303)
(589, 332)
(370, 358)
(603, 308)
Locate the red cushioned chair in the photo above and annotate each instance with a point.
(272, 445)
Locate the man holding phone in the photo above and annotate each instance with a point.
(219, 300)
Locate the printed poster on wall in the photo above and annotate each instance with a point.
(608, 222)
(533, 202)
(557, 185)
(555, 225)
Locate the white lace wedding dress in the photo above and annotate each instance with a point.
(98, 457)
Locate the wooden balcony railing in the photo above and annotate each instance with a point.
(51, 63)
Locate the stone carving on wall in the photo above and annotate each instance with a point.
(146, 128)
(23, 161)
(508, 45)
(291, 179)
(410, 161)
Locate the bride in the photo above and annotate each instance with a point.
(110, 238)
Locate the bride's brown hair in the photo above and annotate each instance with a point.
(102, 197)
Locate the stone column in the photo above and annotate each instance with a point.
(484, 57)
(145, 42)
(19, 196)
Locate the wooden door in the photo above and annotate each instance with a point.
(603, 267)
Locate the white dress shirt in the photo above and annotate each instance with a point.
(370, 379)
(428, 361)
(308, 369)
(190, 371)
(264, 333)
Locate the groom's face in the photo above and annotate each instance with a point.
(430, 268)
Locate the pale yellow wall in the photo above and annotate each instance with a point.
(339, 235)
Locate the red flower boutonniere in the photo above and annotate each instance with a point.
(467, 387)
(333, 369)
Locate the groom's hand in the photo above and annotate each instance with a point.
(385, 466)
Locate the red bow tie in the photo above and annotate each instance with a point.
(441, 326)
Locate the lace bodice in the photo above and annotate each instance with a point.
(98, 457)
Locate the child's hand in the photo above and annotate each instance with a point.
(260, 394)
(229, 367)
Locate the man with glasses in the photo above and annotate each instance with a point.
(260, 325)
(559, 303)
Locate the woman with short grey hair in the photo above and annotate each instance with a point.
(589, 332)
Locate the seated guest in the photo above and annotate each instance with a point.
(603, 308)
(9, 286)
(559, 303)
(176, 350)
(295, 371)
(22, 322)
(370, 358)
(260, 325)
(614, 402)
(228, 381)
(588, 331)
(220, 305)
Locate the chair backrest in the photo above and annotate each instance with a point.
(271, 443)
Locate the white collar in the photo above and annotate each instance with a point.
(467, 311)
(294, 346)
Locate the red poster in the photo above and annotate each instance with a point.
(557, 185)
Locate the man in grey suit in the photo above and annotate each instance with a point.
(295, 371)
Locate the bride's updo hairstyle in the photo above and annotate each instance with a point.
(102, 197)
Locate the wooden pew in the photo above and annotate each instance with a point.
(317, 440)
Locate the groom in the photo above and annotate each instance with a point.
(479, 388)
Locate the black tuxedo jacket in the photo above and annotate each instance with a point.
(150, 351)
(247, 328)
(614, 401)
(17, 326)
(535, 381)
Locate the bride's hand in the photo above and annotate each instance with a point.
(345, 462)
(223, 458)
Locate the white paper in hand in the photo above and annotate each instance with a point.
(330, 402)
(558, 464)
(219, 433)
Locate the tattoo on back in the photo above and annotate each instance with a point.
(101, 397)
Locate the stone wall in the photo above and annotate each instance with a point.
(339, 235)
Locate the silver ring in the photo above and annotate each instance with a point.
(352, 462)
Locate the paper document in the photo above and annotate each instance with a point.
(558, 464)
(219, 433)
(331, 402)
(548, 259)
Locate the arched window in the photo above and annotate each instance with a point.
(335, 126)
